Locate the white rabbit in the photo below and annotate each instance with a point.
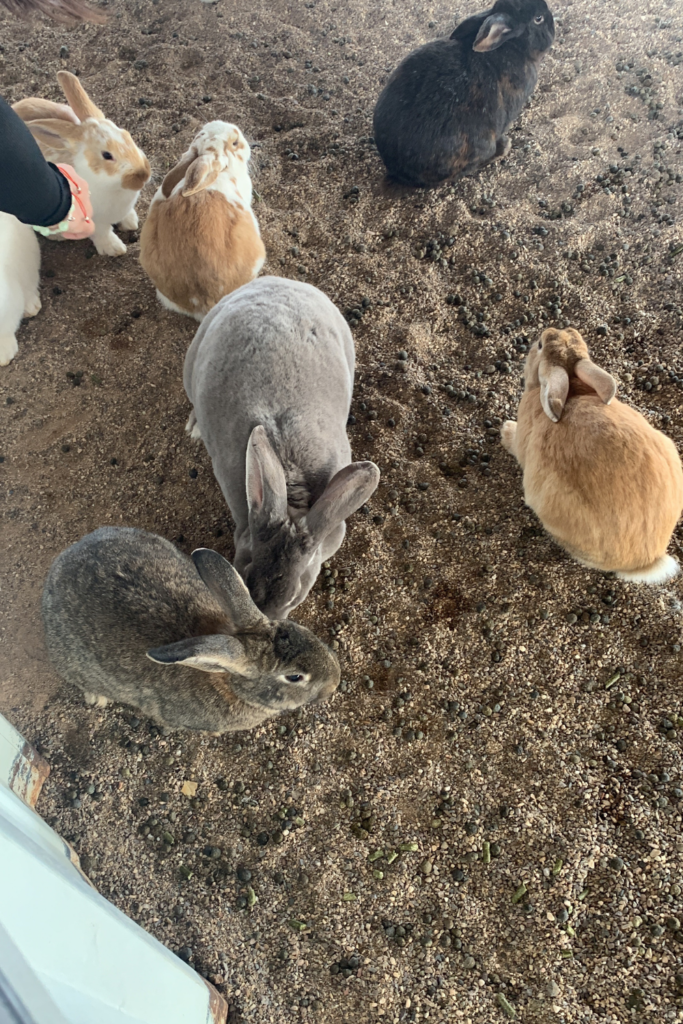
(19, 278)
(104, 155)
(201, 240)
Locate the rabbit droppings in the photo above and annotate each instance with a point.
(445, 109)
(606, 485)
(104, 155)
(201, 239)
(19, 280)
(270, 377)
(129, 618)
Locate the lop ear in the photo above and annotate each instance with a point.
(493, 33)
(228, 588)
(177, 173)
(470, 26)
(36, 109)
(57, 135)
(346, 492)
(79, 101)
(595, 377)
(216, 653)
(266, 483)
(201, 173)
(554, 382)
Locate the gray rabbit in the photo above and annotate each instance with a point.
(270, 377)
(129, 618)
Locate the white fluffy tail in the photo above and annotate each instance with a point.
(661, 570)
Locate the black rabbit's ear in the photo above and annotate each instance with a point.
(470, 26)
(209, 653)
(229, 589)
(493, 33)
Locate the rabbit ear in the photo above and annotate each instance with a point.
(492, 33)
(347, 491)
(177, 173)
(56, 134)
(470, 26)
(595, 377)
(554, 382)
(79, 101)
(201, 173)
(266, 483)
(228, 588)
(209, 653)
(36, 109)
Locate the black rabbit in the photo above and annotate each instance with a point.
(445, 110)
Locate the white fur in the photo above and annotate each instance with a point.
(663, 569)
(167, 304)
(19, 279)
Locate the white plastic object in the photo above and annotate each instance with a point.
(67, 955)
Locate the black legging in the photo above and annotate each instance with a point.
(35, 191)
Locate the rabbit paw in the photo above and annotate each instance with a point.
(95, 700)
(503, 147)
(192, 427)
(109, 245)
(507, 434)
(130, 222)
(8, 348)
(33, 306)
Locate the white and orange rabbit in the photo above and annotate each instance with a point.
(104, 155)
(201, 240)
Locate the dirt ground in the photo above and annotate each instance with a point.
(486, 819)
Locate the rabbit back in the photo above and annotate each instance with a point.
(196, 249)
(441, 113)
(604, 483)
(114, 595)
(276, 353)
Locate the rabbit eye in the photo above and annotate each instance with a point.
(295, 677)
(540, 345)
(107, 155)
(539, 19)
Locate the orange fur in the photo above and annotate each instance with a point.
(199, 247)
(606, 485)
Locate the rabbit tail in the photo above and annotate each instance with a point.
(661, 570)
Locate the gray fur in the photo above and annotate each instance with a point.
(270, 377)
(129, 618)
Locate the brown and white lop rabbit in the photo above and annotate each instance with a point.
(106, 156)
(606, 485)
(201, 240)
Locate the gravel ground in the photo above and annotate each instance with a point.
(485, 821)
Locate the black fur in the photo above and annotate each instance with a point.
(445, 110)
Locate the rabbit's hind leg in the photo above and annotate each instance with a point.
(503, 147)
(192, 427)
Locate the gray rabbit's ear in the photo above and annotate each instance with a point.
(209, 653)
(347, 491)
(266, 483)
(554, 382)
(493, 33)
(229, 589)
(595, 377)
